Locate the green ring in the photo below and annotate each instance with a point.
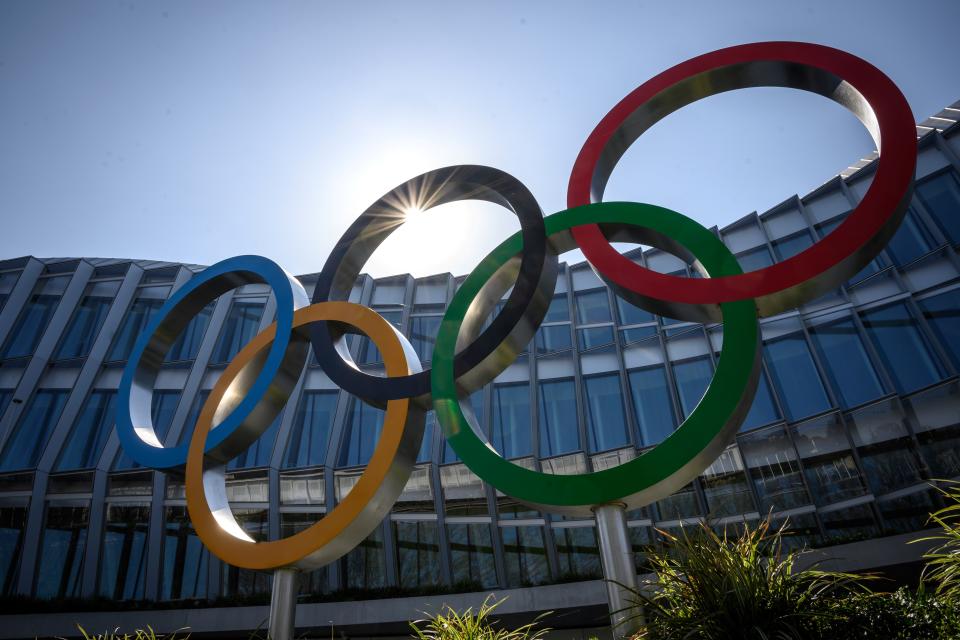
(671, 464)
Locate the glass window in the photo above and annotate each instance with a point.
(8, 281)
(6, 395)
(258, 454)
(136, 320)
(525, 556)
(693, 377)
(754, 259)
(310, 582)
(30, 436)
(641, 543)
(764, 410)
(423, 335)
(725, 486)
(901, 347)
(476, 403)
(943, 314)
(831, 472)
(163, 406)
(558, 417)
(941, 195)
(554, 338)
(365, 565)
(244, 582)
(363, 430)
(774, 469)
(13, 523)
(578, 553)
(90, 432)
(846, 363)
(606, 419)
(651, 404)
(61, 552)
(240, 326)
(875, 265)
(630, 314)
(471, 556)
(593, 306)
(368, 352)
(905, 514)
(937, 425)
(558, 311)
(910, 241)
(636, 334)
(34, 318)
(680, 505)
(795, 377)
(123, 562)
(311, 429)
(87, 319)
(511, 420)
(848, 525)
(185, 560)
(187, 345)
(595, 337)
(789, 247)
(426, 445)
(885, 448)
(418, 553)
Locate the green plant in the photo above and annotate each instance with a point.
(710, 587)
(943, 562)
(902, 615)
(450, 625)
(138, 634)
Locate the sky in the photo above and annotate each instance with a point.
(193, 132)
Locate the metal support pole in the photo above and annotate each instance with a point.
(283, 604)
(619, 570)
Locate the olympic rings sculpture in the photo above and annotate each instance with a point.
(470, 353)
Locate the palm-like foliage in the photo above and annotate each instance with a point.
(714, 587)
(943, 562)
(450, 625)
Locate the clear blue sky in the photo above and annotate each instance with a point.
(197, 131)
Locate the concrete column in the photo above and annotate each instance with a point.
(619, 570)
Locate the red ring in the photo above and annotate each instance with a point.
(825, 264)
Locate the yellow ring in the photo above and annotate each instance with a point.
(359, 513)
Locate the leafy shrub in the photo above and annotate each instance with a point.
(901, 615)
(138, 634)
(450, 625)
(943, 563)
(711, 587)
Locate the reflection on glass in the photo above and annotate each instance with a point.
(774, 469)
(908, 513)
(725, 486)
(943, 315)
(764, 410)
(34, 317)
(365, 565)
(606, 419)
(423, 335)
(630, 314)
(754, 259)
(901, 347)
(885, 447)
(123, 561)
(239, 327)
(13, 523)
(558, 417)
(693, 378)
(558, 311)
(163, 406)
(828, 464)
(87, 319)
(849, 525)
(941, 195)
(595, 337)
(311, 428)
(61, 552)
(525, 556)
(910, 241)
(363, 430)
(244, 582)
(29, 438)
(185, 560)
(592, 307)
(476, 402)
(418, 553)
(846, 363)
(90, 432)
(187, 345)
(471, 555)
(511, 435)
(368, 352)
(795, 377)
(136, 320)
(680, 505)
(553, 338)
(309, 582)
(578, 554)
(938, 428)
(651, 404)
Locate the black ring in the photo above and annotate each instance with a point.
(509, 331)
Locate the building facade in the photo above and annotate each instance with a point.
(857, 409)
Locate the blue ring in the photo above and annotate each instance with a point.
(163, 330)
